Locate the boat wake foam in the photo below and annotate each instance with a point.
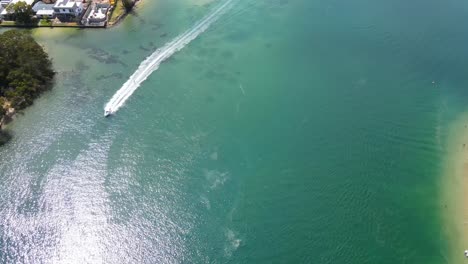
(151, 63)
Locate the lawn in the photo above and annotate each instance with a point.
(118, 12)
(45, 23)
(8, 23)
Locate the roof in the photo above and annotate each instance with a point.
(45, 12)
(42, 6)
(5, 2)
(65, 4)
(29, 2)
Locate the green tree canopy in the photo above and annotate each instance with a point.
(21, 11)
(25, 68)
(128, 4)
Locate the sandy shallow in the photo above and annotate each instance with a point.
(455, 190)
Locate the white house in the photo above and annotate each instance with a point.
(68, 7)
(43, 10)
(5, 3)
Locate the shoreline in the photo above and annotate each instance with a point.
(11, 112)
(107, 25)
(454, 182)
(123, 16)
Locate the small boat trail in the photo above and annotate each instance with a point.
(151, 63)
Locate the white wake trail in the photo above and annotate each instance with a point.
(151, 63)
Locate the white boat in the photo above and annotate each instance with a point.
(107, 112)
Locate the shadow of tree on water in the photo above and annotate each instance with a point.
(5, 136)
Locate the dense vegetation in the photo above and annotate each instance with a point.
(21, 12)
(128, 4)
(25, 70)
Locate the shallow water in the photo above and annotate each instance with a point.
(289, 132)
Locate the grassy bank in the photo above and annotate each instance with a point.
(41, 23)
(117, 13)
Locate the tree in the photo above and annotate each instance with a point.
(2, 110)
(128, 5)
(25, 69)
(21, 12)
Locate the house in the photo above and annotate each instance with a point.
(68, 8)
(43, 10)
(5, 3)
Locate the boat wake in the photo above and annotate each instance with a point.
(151, 63)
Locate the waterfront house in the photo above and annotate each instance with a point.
(5, 3)
(43, 10)
(68, 8)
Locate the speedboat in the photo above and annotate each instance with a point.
(107, 113)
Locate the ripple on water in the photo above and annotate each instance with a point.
(232, 242)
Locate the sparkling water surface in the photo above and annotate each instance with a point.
(291, 131)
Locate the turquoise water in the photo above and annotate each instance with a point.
(289, 132)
